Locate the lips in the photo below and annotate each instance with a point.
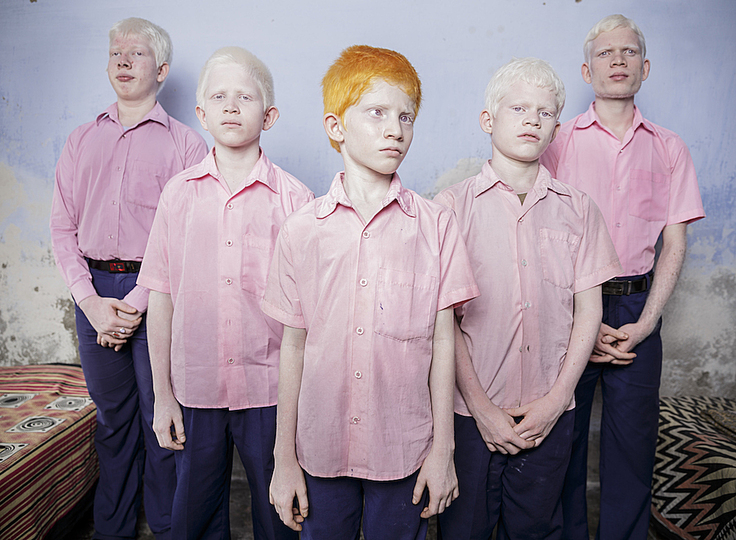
(392, 151)
(529, 137)
(619, 76)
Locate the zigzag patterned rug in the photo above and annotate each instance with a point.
(694, 487)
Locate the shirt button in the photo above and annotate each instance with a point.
(110, 236)
(229, 206)
(366, 234)
(363, 282)
(229, 243)
(229, 281)
(618, 225)
(527, 305)
(230, 360)
(520, 349)
(355, 419)
(114, 203)
(358, 374)
(523, 262)
(359, 330)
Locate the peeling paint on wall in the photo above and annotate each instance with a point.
(36, 310)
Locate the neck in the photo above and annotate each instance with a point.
(616, 114)
(366, 191)
(518, 175)
(132, 112)
(235, 164)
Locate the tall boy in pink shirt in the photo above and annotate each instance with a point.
(643, 178)
(540, 250)
(214, 354)
(108, 181)
(365, 278)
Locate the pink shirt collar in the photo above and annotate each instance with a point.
(590, 117)
(263, 171)
(336, 195)
(157, 114)
(488, 179)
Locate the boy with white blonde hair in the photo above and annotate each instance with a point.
(108, 181)
(540, 251)
(214, 354)
(643, 178)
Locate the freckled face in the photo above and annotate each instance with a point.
(616, 69)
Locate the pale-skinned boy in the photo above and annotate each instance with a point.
(365, 279)
(540, 250)
(214, 354)
(108, 181)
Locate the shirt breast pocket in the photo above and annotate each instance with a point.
(406, 304)
(257, 253)
(144, 183)
(648, 195)
(559, 250)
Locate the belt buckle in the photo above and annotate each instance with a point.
(117, 266)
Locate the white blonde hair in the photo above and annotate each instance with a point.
(244, 59)
(606, 24)
(533, 71)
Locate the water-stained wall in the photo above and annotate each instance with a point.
(52, 79)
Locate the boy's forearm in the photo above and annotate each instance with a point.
(160, 315)
(587, 314)
(442, 381)
(291, 364)
(466, 377)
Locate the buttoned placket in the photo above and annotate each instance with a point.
(112, 238)
(229, 262)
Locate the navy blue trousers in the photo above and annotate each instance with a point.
(130, 457)
(629, 424)
(202, 501)
(336, 506)
(519, 492)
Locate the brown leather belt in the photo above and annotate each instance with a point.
(115, 266)
(625, 287)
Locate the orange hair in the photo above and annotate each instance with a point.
(354, 72)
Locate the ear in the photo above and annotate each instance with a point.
(486, 122)
(200, 114)
(557, 130)
(334, 128)
(269, 119)
(645, 70)
(163, 72)
(585, 72)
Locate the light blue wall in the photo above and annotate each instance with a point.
(52, 78)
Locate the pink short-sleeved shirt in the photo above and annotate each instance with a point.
(641, 185)
(368, 295)
(210, 249)
(529, 261)
(108, 181)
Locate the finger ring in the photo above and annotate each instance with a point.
(115, 334)
(122, 330)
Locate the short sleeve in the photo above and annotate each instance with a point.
(597, 261)
(457, 284)
(154, 272)
(281, 299)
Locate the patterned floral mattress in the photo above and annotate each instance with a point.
(694, 488)
(47, 456)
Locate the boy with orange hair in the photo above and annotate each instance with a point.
(365, 279)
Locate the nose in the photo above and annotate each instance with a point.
(231, 106)
(392, 129)
(124, 61)
(532, 118)
(618, 59)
